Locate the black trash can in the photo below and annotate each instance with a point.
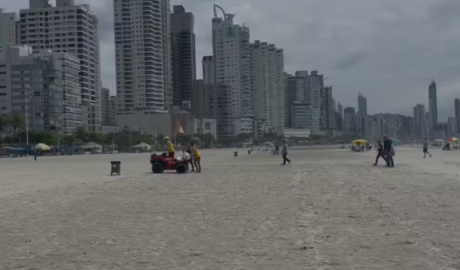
(115, 167)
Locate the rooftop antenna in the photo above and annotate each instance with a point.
(214, 7)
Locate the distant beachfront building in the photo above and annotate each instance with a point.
(394, 125)
(420, 123)
(209, 75)
(45, 88)
(267, 86)
(433, 105)
(183, 55)
(231, 65)
(304, 117)
(309, 87)
(8, 29)
(143, 57)
(349, 121)
(457, 113)
(73, 29)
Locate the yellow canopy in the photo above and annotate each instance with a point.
(42, 147)
(359, 142)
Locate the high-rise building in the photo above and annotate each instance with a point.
(433, 105)
(143, 56)
(231, 65)
(9, 25)
(73, 29)
(315, 96)
(113, 110)
(420, 127)
(105, 106)
(451, 126)
(209, 75)
(308, 88)
(393, 125)
(339, 117)
(294, 89)
(267, 84)
(457, 113)
(304, 117)
(329, 109)
(362, 104)
(45, 88)
(349, 123)
(362, 118)
(183, 55)
(213, 101)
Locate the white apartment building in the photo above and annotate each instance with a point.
(8, 29)
(304, 117)
(73, 29)
(45, 88)
(267, 85)
(231, 64)
(143, 56)
(209, 75)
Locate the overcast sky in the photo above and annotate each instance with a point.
(389, 50)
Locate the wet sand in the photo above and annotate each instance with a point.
(329, 209)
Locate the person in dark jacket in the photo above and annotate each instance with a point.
(284, 152)
(379, 152)
(388, 151)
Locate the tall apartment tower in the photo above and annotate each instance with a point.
(143, 55)
(9, 25)
(183, 55)
(267, 84)
(363, 119)
(209, 75)
(73, 29)
(362, 104)
(329, 109)
(457, 113)
(231, 65)
(433, 105)
(349, 120)
(420, 125)
(105, 106)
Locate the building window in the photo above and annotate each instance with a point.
(207, 125)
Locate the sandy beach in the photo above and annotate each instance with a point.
(329, 209)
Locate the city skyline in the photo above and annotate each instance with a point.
(353, 51)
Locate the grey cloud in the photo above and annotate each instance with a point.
(385, 49)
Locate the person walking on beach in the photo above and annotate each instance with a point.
(425, 149)
(388, 151)
(196, 157)
(284, 152)
(379, 152)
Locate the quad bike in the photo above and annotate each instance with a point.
(164, 162)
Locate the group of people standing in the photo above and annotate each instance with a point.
(192, 150)
(386, 151)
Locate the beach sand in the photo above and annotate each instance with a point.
(329, 209)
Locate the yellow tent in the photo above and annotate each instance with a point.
(359, 142)
(42, 147)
